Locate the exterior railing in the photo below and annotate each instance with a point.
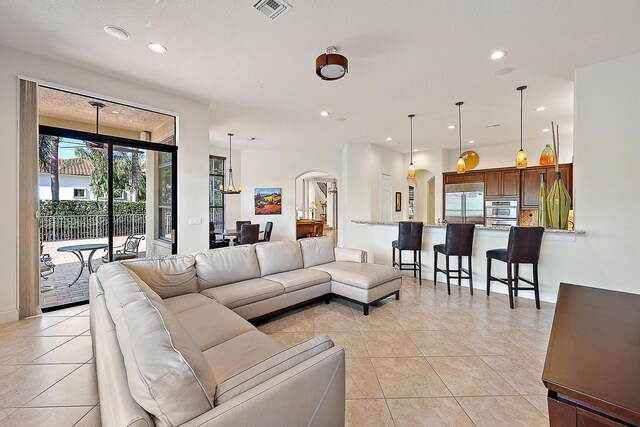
(78, 227)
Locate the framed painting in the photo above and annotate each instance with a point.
(268, 201)
(398, 201)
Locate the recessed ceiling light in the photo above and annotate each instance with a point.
(415, 149)
(503, 71)
(471, 141)
(117, 32)
(115, 112)
(324, 113)
(545, 130)
(498, 54)
(389, 139)
(252, 139)
(541, 109)
(451, 127)
(157, 47)
(259, 88)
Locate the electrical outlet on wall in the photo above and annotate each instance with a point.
(195, 221)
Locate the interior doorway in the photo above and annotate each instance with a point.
(316, 205)
(422, 196)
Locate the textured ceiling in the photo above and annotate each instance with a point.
(405, 56)
(69, 106)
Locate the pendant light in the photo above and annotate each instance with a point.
(412, 170)
(461, 166)
(98, 106)
(521, 157)
(231, 189)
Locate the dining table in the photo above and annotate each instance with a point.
(77, 251)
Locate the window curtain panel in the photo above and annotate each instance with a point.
(28, 239)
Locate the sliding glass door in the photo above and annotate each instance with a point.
(102, 199)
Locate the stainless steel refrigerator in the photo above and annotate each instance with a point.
(464, 203)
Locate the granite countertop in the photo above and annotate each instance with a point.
(479, 227)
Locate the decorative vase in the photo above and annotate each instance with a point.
(548, 156)
(543, 213)
(559, 204)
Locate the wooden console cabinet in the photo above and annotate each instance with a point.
(592, 369)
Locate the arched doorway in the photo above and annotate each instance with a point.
(422, 202)
(316, 205)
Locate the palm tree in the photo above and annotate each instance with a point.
(48, 156)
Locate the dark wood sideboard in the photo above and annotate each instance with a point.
(592, 369)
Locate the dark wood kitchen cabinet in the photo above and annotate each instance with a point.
(530, 183)
(502, 184)
(591, 369)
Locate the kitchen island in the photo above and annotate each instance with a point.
(559, 258)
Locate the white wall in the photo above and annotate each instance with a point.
(279, 169)
(433, 161)
(504, 155)
(390, 163)
(193, 150)
(232, 203)
(605, 175)
(356, 190)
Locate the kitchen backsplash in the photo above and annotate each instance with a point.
(529, 217)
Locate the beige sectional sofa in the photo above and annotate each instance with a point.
(173, 345)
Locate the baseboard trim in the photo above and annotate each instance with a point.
(9, 316)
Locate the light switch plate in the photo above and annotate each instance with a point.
(195, 221)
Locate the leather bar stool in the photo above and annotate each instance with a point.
(523, 248)
(458, 242)
(409, 239)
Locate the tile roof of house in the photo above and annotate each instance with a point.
(82, 167)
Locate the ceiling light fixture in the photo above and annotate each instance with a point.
(471, 141)
(331, 65)
(521, 157)
(498, 54)
(116, 32)
(461, 166)
(98, 106)
(115, 112)
(412, 170)
(451, 127)
(157, 47)
(545, 130)
(324, 113)
(389, 139)
(231, 189)
(541, 109)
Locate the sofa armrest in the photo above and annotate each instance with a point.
(350, 255)
(270, 367)
(310, 394)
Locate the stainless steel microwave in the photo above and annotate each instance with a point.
(501, 212)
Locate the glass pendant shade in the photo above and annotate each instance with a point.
(548, 156)
(461, 166)
(231, 189)
(412, 171)
(521, 160)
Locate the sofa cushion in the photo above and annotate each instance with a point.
(350, 255)
(299, 279)
(185, 302)
(226, 265)
(269, 368)
(150, 293)
(317, 250)
(243, 293)
(167, 276)
(212, 324)
(240, 353)
(277, 257)
(184, 343)
(360, 275)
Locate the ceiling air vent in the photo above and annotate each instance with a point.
(272, 9)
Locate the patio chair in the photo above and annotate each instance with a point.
(128, 250)
(47, 267)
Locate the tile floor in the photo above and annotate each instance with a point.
(427, 359)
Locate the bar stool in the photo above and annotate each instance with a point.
(523, 248)
(409, 239)
(458, 242)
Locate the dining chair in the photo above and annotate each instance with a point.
(249, 234)
(268, 228)
(239, 224)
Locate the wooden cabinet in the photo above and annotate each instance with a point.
(530, 188)
(463, 178)
(502, 184)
